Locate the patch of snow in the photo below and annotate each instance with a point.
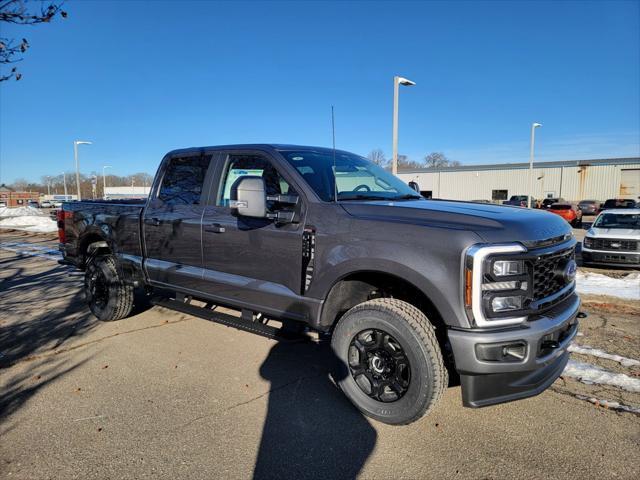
(590, 374)
(25, 248)
(30, 223)
(611, 404)
(627, 287)
(596, 352)
(21, 212)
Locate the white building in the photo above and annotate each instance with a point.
(114, 193)
(573, 180)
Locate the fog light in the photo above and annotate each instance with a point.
(504, 304)
(504, 268)
(517, 350)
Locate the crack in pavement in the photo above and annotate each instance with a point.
(91, 342)
(251, 400)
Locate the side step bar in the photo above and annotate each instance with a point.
(230, 321)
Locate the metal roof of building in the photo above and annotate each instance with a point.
(514, 166)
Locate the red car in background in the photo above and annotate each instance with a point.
(571, 213)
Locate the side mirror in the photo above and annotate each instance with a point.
(249, 197)
(415, 186)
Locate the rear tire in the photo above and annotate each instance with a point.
(397, 384)
(108, 297)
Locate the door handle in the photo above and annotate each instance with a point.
(215, 228)
(152, 221)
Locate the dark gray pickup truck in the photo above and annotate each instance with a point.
(409, 290)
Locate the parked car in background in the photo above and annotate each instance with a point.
(46, 204)
(3, 204)
(614, 239)
(589, 207)
(33, 203)
(570, 212)
(618, 203)
(56, 203)
(547, 202)
(519, 201)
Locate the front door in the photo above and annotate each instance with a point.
(172, 222)
(253, 261)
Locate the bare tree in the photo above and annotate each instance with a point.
(16, 12)
(405, 164)
(377, 156)
(439, 160)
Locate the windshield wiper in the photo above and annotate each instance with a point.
(362, 196)
(407, 197)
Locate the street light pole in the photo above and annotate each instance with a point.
(533, 141)
(397, 81)
(75, 155)
(48, 185)
(64, 181)
(104, 181)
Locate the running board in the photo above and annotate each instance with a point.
(258, 328)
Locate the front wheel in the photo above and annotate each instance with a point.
(389, 361)
(108, 297)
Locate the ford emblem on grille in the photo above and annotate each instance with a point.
(570, 270)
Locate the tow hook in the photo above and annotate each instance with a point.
(582, 315)
(550, 344)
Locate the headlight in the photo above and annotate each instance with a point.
(495, 286)
(504, 304)
(588, 242)
(505, 268)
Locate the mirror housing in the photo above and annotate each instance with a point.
(414, 185)
(249, 197)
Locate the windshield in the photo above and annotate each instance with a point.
(618, 220)
(354, 177)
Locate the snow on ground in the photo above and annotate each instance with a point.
(30, 223)
(32, 250)
(20, 212)
(28, 219)
(590, 374)
(596, 352)
(591, 283)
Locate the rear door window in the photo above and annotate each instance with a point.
(183, 180)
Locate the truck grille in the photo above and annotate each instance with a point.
(611, 244)
(547, 273)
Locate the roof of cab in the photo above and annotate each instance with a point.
(281, 147)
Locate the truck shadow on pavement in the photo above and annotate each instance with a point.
(311, 429)
(38, 313)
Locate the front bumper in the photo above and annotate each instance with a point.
(610, 257)
(487, 382)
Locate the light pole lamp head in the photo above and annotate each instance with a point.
(536, 125)
(81, 142)
(405, 81)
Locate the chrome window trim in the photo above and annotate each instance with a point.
(478, 254)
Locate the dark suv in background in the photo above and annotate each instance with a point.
(589, 207)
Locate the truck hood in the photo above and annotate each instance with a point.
(493, 223)
(617, 233)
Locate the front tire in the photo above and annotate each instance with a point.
(109, 298)
(389, 361)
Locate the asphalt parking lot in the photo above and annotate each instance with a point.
(166, 395)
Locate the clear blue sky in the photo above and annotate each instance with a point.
(141, 78)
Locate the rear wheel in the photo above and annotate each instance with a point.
(389, 361)
(108, 297)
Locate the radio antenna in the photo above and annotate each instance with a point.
(333, 134)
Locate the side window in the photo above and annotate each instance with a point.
(499, 194)
(183, 180)
(256, 166)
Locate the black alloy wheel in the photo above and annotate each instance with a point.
(379, 365)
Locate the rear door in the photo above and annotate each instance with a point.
(253, 261)
(172, 219)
